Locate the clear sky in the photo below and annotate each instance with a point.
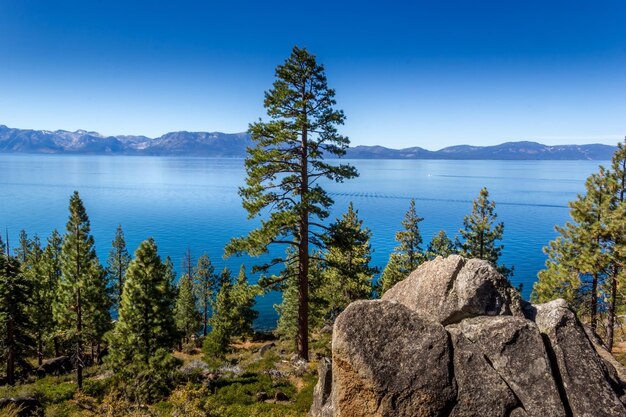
(417, 73)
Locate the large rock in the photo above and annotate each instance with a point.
(583, 373)
(24, 406)
(55, 366)
(390, 361)
(497, 356)
(520, 374)
(454, 288)
(322, 405)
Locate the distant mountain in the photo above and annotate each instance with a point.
(505, 151)
(233, 145)
(82, 142)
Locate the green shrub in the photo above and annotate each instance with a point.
(145, 383)
(215, 345)
(97, 388)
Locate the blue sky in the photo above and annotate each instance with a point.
(421, 73)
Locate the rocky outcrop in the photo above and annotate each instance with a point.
(455, 339)
(379, 364)
(582, 372)
(452, 289)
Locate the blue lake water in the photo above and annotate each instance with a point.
(193, 202)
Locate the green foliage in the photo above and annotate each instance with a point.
(147, 382)
(284, 167)
(207, 284)
(348, 275)
(287, 325)
(48, 286)
(233, 314)
(216, 344)
(23, 248)
(15, 320)
(186, 314)
(587, 261)
(48, 390)
(81, 308)
(241, 314)
(480, 233)
(408, 255)
(440, 245)
(146, 320)
(40, 309)
(117, 265)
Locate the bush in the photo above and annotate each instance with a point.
(215, 345)
(147, 383)
(97, 388)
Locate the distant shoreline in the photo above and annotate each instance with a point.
(234, 145)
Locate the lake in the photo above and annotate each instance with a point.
(193, 202)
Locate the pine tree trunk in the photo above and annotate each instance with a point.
(303, 255)
(206, 317)
(10, 353)
(612, 300)
(57, 348)
(594, 302)
(79, 347)
(39, 351)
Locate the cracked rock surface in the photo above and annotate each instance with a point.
(455, 339)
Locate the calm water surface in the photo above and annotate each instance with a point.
(193, 202)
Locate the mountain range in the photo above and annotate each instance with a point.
(233, 145)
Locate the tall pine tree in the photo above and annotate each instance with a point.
(41, 307)
(187, 316)
(348, 275)
(117, 264)
(51, 277)
(284, 168)
(480, 233)
(80, 309)
(616, 245)
(146, 320)
(15, 321)
(207, 285)
(408, 255)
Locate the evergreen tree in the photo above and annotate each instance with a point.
(560, 278)
(244, 299)
(393, 273)
(51, 276)
(23, 248)
(187, 316)
(207, 285)
(579, 257)
(217, 342)
(348, 275)
(616, 245)
(79, 310)
(40, 309)
(287, 326)
(590, 213)
(408, 255)
(15, 320)
(480, 233)
(146, 319)
(284, 168)
(117, 264)
(3, 246)
(440, 245)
